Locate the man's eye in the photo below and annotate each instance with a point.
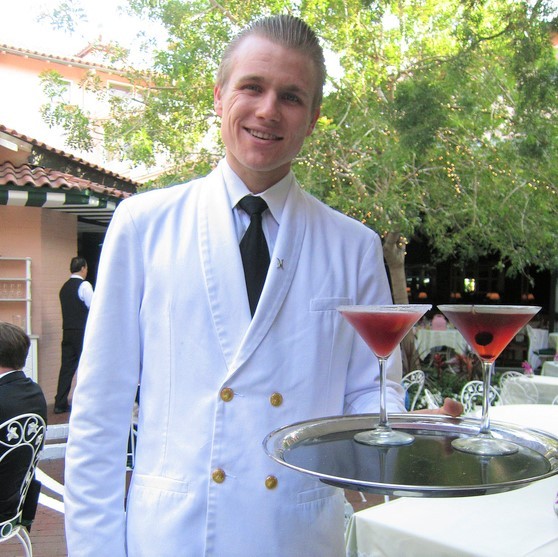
(291, 97)
(252, 87)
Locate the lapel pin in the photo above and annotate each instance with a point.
(279, 263)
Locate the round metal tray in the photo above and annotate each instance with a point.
(429, 467)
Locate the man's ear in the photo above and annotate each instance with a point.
(217, 104)
(313, 122)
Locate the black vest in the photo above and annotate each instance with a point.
(74, 311)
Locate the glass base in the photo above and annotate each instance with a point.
(484, 445)
(383, 437)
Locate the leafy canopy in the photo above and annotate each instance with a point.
(440, 119)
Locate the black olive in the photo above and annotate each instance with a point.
(484, 338)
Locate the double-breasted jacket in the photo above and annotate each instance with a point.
(170, 311)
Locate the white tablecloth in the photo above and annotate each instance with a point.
(518, 523)
(550, 368)
(426, 339)
(538, 416)
(544, 387)
(547, 387)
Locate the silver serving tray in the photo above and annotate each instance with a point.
(429, 467)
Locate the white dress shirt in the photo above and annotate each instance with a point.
(85, 291)
(275, 197)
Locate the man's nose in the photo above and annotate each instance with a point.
(268, 107)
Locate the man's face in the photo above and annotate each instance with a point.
(266, 110)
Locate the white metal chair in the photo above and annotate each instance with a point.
(413, 383)
(21, 441)
(133, 436)
(472, 393)
(432, 401)
(131, 454)
(507, 375)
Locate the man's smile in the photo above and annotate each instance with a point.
(263, 135)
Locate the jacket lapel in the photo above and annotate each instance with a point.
(222, 266)
(280, 276)
(239, 334)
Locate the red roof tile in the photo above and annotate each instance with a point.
(39, 177)
(68, 61)
(68, 156)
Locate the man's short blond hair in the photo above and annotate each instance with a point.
(287, 31)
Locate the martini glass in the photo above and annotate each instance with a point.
(383, 328)
(488, 330)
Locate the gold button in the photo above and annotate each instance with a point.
(276, 399)
(271, 482)
(218, 475)
(227, 394)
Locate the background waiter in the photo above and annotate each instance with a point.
(75, 300)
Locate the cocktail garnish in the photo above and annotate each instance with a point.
(484, 338)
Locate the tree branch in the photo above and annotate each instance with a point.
(223, 10)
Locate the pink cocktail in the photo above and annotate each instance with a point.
(488, 330)
(383, 328)
(382, 331)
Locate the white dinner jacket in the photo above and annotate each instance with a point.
(171, 311)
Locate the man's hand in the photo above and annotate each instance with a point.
(450, 407)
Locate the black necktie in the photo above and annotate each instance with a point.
(253, 249)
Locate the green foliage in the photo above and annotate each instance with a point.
(419, 114)
(66, 16)
(71, 118)
(448, 385)
(442, 120)
(446, 378)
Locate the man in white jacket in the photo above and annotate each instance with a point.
(171, 312)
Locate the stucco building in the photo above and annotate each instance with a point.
(55, 202)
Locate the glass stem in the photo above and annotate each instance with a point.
(488, 368)
(383, 404)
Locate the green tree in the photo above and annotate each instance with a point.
(441, 121)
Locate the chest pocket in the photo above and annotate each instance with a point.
(329, 304)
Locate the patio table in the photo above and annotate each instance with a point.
(517, 523)
(550, 369)
(426, 339)
(546, 388)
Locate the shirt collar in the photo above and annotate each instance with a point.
(9, 372)
(275, 196)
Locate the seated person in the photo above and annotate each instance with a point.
(439, 323)
(18, 395)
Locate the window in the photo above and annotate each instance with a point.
(119, 89)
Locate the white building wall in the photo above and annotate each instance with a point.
(21, 98)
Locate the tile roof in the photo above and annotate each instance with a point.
(68, 156)
(68, 61)
(39, 177)
(27, 186)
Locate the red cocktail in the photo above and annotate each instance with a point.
(382, 331)
(383, 328)
(488, 330)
